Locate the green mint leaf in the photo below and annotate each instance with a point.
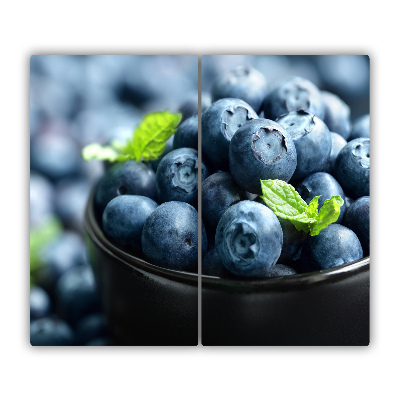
(300, 226)
(312, 209)
(286, 203)
(96, 151)
(147, 142)
(282, 198)
(150, 136)
(328, 214)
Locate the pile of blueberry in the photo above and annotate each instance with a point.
(150, 209)
(76, 100)
(296, 133)
(292, 132)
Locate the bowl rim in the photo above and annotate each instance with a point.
(211, 282)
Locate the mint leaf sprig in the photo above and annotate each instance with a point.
(286, 203)
(146, 144)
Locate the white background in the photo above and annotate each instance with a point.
(205, 28)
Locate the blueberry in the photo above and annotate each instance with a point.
(212, 265)
(249, 239)
(348, 201)
(219, 192)
(293, 94)
(41, 200)
(352, 167)
(333, 246)
(322, 184)
(77, 295)
(59, 256)
(347, 75)
(90, 328)
(71, 196)
(219, 123)
(40, 303)
(51, 331)
(187, 133)
(337, 144)
(123, 220)
(337, 114)
(129, 177)
(293, 240)
(280, 270)
(170, 236)
(242, 82)
(190, 106)
(55, 155)
(357, 219)
(361, 128)
(169, 146)
(177, 176)
(261, 149)
(312, 140)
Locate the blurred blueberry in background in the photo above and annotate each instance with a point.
(75, 101)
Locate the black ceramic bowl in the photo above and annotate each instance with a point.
(144, 304)
(322, 308)
(150, 305)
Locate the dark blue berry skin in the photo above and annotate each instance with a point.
(352, 167)
(212, 265)
(129, 177)
(40, 303)
(312, 140)
(322, 184)
(56, 156)
(347, 75)
(333, 246)
(169, 146)
(190, 106)
(292, 238)
(177, 176)
(337, 144)
(187, 134)
(348, 201)
(249, 239)
(41, 199)
(337, 114)
(123, 220)
(219, 124)
(90, 328)
(261, 149)
(170, 237)
(77, 295)
(292, 241)
(280, 270)
(243, 82)
(219, 191)
(361, 128)
(70, 200)
(51, 332)
(357, 219)
(294, 94)
(59, 256)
